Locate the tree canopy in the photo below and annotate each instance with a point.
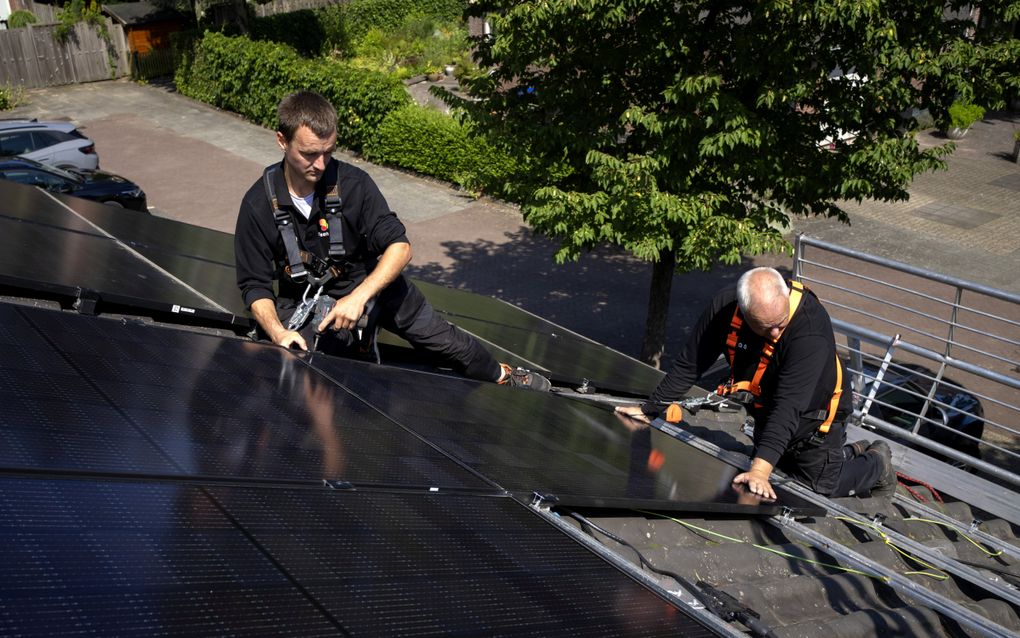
(690, 132)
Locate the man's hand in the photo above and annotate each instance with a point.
(633, 412)
(264, 311)
(289, 339)
(344, 315)
(757, 479)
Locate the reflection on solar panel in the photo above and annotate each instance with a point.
(116, 558)
(531, 441)
(569, 357)
(118, 397)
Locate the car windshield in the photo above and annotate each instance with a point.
(74, 176)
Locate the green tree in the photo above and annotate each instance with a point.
(690, 132)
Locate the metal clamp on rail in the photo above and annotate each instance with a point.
(542, 501)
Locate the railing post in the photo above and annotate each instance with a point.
(957, 300)
(798, 255)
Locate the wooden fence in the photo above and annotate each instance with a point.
(31, 57)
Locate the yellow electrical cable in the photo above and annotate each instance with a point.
(941, 575)
(849, 570)
(958, 531)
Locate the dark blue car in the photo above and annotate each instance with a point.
(98, 186)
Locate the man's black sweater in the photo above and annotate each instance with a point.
(369, 227)
(798, 383)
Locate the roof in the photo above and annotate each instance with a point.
(155, 461)
(138, 13)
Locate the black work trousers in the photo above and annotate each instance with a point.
(834, 471)
(404, 311)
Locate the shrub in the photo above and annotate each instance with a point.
(432, 143)
(963, 114)
(21, 18)
(360, 16)
(250, 78)
(10, 97)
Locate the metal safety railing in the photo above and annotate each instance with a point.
(933, 359)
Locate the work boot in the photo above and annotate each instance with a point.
(885, 486)
(520, 378)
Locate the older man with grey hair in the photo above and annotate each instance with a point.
(779, 343)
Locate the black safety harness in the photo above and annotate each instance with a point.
(302, 265)
(306, 267)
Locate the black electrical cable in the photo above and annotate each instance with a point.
(744, 615)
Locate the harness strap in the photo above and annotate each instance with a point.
(334, 218)
(823, 429)
(297, 258)
(285, 224)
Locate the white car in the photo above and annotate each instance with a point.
(57, 144)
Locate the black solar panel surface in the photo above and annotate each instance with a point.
(45, 246)
(163, 264)
(116, 558)
(533, 441)
(569, 357)
(112, 396)
(201, 257)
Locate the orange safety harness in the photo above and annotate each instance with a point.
(768, 348)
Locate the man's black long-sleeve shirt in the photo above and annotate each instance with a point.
(798, 383)
(369, 227)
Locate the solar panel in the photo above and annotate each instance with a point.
(45, 246)
(115, 558)
(162, 264)
(121, 397)
(201, 257)
(526, 441)
(28, 203)
(569, 357)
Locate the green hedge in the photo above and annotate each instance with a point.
(335, 29)
(427, 141)
(250, 78)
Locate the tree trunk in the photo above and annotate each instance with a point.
(654, 342)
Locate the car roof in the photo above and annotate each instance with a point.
(20, 162)
(16, 125)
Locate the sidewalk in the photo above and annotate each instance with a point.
(963, 222)
(195, 163)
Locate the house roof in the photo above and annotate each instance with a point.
(137, 13)
(158, 461)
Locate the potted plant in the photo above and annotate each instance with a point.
(961, 116)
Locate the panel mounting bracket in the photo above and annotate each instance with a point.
(542, 501)
(85, 301)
